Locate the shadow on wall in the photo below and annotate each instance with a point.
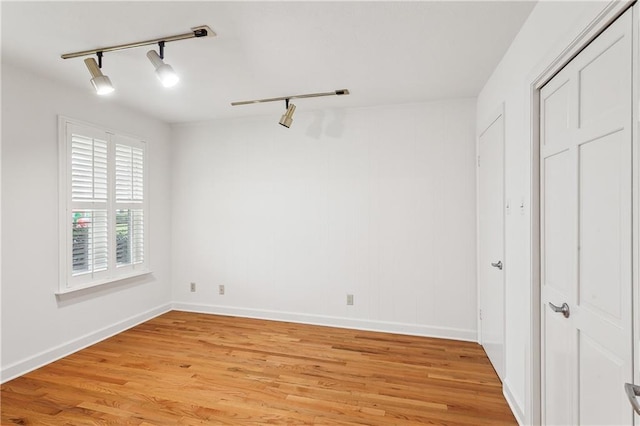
(331, 125)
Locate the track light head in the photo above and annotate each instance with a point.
(287, 117)
(164, 72)
(100, 82)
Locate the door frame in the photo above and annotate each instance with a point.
(537, 79)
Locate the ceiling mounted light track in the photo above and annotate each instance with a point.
(196, 32)
(165, 73)
(287, 117)
(284, 98)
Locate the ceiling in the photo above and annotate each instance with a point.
(383, 52)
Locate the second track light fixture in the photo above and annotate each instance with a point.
(164, 72)
(100, 82)
(287, 117)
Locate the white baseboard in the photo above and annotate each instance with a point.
(29, 364)
(511, 400)
(341, 322)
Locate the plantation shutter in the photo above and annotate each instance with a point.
(129, 173)
(129, 195)
(89, 196)
(104, 206)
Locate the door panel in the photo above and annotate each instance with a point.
(602, 81)
(558, 368)
(603, 238)
(491, 241)
(600, 372)
(555, 104)
(558, 231)
(558, 257)
(586, 234)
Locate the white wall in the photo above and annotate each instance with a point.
(550, 28)
(37, 326)
(377, 202)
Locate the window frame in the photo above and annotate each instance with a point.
(68, 282)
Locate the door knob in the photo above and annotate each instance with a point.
(497, 264)
(632, 392)
(564, 309)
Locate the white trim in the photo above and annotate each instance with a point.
(513, 404)
(340, 322)
(607, 15)
(478, 307)
(43, 358)
(537, 79)
(66, 118)
(63, 177)
(103, 282)
(635, 184)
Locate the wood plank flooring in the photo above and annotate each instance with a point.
(194, 369)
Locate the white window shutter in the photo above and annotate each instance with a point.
(129, 173)
(88, 169)
(129, 194)
(104, 233)
(90, 245)
(137, 236)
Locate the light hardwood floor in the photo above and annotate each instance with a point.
(186, 368)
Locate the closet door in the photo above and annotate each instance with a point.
(586, 234)
(491, 241)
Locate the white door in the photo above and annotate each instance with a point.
(586, 234)
(491, 241)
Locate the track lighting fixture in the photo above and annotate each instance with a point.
(164, 71)
(287, 117)
(100, 82)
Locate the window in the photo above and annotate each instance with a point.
(103, 206)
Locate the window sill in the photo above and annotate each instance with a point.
(102, 282)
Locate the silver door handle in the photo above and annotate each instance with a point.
(564, 309)
(497, 264)
(632, 392)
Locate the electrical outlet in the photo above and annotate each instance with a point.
(221, 289)
(349, 299)
(193, 287)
